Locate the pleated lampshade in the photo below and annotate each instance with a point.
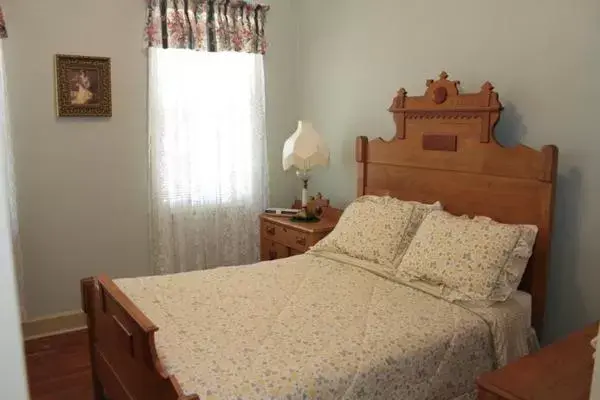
(305, 149)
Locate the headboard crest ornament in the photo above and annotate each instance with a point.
(444, 150)
(439, 90)
(443, 100)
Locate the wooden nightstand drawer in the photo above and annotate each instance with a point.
(280, 237)
(271, 250)
(286, 236)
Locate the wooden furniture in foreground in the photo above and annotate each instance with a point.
(280, 237)
(561, 371)
(444, 150)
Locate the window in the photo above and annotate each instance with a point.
(207, 124)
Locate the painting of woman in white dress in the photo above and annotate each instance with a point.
(83, 86)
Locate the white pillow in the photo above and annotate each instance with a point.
(473, 259)
(420, 211)
(371, 229)
(376, 229)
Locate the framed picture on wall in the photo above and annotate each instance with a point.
(83, 86)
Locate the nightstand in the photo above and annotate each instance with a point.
(561, 371)
(281, 238)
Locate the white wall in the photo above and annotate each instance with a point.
(281, 73)
(13, 378)
(543, 61)
(83, 191)
(82, 182)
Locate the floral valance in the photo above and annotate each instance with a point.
(207, 25)
(3, 33)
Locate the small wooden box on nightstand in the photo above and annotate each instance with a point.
(561, 371)
(281, 238)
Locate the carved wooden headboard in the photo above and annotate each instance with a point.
(444, 149)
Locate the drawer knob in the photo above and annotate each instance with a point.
(301, 241)
(270, 230)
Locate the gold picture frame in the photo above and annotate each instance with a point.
(83, 86)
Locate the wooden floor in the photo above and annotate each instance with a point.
(58, 367)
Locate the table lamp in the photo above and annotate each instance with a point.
(305, 149)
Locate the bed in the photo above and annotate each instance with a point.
(323, 325)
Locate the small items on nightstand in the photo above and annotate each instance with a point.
(282, 212)
(315, 206)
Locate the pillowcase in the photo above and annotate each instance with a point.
(376, 229)
(509, 282)
(419, 213)
(371, 229)
(473, 259)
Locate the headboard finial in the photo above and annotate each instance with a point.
(487, 87)
(443, 81)
(398, 100)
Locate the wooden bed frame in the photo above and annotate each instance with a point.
(444, 149)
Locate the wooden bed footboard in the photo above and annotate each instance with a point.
(125, 365)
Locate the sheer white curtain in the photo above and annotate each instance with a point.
(207, 158)
(7, 158)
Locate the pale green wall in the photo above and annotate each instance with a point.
(543, 58)
(83, 188)
(281, 74)
(83, 184)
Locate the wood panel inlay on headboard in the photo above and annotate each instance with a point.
(445, 150)
(439, 142)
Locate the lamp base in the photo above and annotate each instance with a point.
(304, 215)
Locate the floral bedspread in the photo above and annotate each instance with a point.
(310, 327)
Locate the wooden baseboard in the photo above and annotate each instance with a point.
(54, 325)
